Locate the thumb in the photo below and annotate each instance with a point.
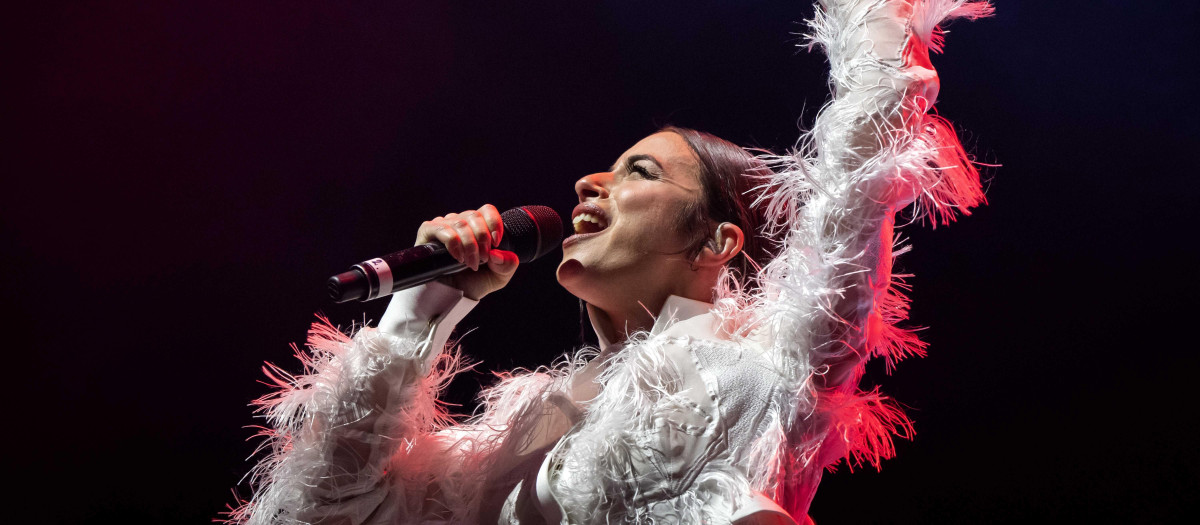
(503, 262)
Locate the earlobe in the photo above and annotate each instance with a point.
(726, 243)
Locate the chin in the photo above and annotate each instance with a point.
(571, 276)
(569, 270)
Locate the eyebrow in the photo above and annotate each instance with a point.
(639, 157)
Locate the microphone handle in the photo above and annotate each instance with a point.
(395, 271)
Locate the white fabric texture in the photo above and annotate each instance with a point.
(720, 412)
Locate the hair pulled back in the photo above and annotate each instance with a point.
(729, 179)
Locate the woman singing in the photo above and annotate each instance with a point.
(735, 299)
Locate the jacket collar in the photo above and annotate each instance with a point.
(674, 310)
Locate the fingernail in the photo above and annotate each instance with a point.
(495, 238)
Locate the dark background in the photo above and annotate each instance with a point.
(180, 177)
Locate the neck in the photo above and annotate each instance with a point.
(614, 324)
(619, 316)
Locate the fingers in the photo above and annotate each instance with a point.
(494, 222)
(468, 243)
(481, 238)
(468, 236)
(442, 230)
(503, 262)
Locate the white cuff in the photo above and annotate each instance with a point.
(417, 311)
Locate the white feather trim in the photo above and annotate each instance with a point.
(829, 297)
(931, 14)
(346, 384)
(826, 300)
(652, 448)
(408, 450)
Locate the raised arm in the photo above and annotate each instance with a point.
(874, 150)
(829, 300)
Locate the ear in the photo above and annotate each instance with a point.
(726, 243)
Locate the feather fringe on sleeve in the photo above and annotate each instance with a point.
(332, 430)
(829, 296)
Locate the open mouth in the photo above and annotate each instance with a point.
(588, 218)
(588, 223)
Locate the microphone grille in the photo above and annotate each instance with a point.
(531, 231)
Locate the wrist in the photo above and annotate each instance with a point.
(411, 311)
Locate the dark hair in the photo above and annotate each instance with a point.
(729, 179)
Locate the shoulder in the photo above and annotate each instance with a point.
(735, 378)
(738, 367)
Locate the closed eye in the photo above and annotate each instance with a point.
(645, 166)
(641, 171)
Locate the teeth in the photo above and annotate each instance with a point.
(600, 224)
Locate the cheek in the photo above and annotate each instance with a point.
(651, 217)
(639, 198)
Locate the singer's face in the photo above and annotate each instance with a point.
(629, 243)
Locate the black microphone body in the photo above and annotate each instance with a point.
(529, 231)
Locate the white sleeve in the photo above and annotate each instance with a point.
(829, 299)
(362, 399)
(432, 309)
(873, 150)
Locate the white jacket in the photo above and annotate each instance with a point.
(722, 411)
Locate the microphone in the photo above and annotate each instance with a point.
(529, 231)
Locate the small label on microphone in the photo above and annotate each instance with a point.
(384, 272)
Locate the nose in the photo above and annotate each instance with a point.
(593, 186)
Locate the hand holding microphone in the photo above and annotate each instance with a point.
(476, 251)
(472, 238)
